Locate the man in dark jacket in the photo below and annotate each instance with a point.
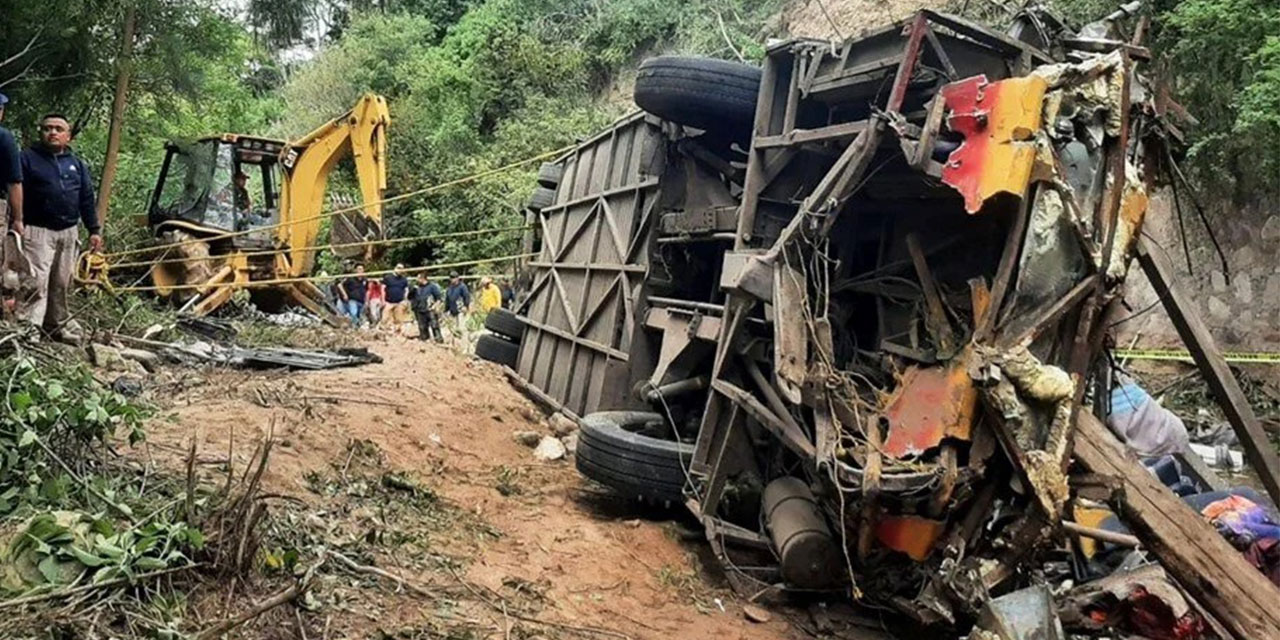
(10, 174)
(57, 195)
(421, 300)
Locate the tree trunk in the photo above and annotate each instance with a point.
(124, 67)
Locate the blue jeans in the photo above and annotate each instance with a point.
(354, 309)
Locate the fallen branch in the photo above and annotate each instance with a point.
(381, 573)
(378, 403)
(274, 601)
(500, 607)
(54, 595)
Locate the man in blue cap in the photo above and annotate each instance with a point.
(59, 196)
(10, 174)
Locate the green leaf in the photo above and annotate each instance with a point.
(20, 401)
(148, 563)
(196, 538)
(109, 550)
(54, 390)
(51, 569)
(28, 438)
(85, 558)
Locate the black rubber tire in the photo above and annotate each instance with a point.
(706, 93)
(497, 350)
(542, 197)
(506, 324)
(632, 464)
(549, 175)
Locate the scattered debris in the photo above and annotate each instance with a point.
(562, 425)
(756, 614)
(529, 439)
(549, 448)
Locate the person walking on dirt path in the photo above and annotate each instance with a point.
(396, 286)
(423, 299)
(374, 303)
(489, 297)
(457, 302)
(353, 292)
(57, 195)
(10, 176)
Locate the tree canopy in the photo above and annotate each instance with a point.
(475, 84)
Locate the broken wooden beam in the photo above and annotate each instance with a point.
(1188, 547)
(1213, 367)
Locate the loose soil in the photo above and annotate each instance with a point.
(534, 532)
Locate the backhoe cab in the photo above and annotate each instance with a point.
(246, 212)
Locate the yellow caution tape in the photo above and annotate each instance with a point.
(1182, 355)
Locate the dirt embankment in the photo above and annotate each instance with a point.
(445, 422)
(838, 19)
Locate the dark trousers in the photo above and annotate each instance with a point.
(428, 326)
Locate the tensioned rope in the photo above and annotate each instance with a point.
(329, 214)
(267, 252)
(256, 283)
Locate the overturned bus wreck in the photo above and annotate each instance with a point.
(851, 309)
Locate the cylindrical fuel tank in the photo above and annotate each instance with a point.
(810, 556)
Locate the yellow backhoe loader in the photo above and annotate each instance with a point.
(243, 212)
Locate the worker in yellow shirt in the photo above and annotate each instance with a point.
(489, 296)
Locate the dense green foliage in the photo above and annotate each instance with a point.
(510, 79)
(1225, 58)
(195, 71)
(476, 84)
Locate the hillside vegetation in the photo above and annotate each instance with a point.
(475, 84)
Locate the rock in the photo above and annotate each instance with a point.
(528, 413)
(1271, 230)
(1244, 289)
(101, 355)
(563, 425)
(527, 438)
(127, 386)
(109, 358)
(571, 443)
(1242, 258)
(549, 449)
(1273, 288)
(149, 360)
(1218, 280)
(1218, 310)
(756, 614)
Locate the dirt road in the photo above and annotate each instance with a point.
(532, 533)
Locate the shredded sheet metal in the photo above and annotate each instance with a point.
(998, 121)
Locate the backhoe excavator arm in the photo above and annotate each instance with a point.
(307, 162)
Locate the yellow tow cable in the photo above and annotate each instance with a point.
(268, 252)
(425, 190)
(274, 281)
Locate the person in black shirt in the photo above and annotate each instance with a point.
(10, 176)
(353, 292)
(396, 289)
(57, 195)
(423, 299)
